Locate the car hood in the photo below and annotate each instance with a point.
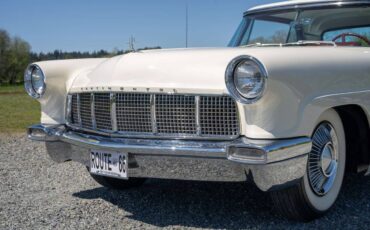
(190, 70)
(180, 70)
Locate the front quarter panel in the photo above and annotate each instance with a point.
(59, 76)
(303, 83)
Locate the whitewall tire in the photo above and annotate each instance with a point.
(321, 185)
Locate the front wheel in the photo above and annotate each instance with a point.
(321, 185)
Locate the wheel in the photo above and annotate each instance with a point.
(319, 189)
(118, 183)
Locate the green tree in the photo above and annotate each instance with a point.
(17, 60)
(4, 51)
(15, 55)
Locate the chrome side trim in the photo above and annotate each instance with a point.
(152, 113)
(79, 110)
(323, 4)
(113, 112)
(93, 119)
(109, 133)
(197, 115)
(341, 94)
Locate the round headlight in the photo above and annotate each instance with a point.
(245, 79)
(34, 81)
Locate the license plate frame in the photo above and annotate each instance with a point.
(109, 164)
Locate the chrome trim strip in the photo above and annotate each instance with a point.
(205, 149)
(113, 111)
(69, 109)
(93, 119)
(312, 5)
(79, 111)
(152, 113)
(109, 133)
(341, 94)
(197, 115)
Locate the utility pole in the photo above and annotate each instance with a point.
(187, 25)
(131, 43)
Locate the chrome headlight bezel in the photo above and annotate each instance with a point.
(29, 81)
(230, 79)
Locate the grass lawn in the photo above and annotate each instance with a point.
(17, 109)
(12, 89)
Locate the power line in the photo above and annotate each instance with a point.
(131, 43)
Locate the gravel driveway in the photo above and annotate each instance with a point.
(37, 193)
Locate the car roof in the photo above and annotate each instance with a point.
(299, 3)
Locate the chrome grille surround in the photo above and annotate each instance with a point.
(146, 115)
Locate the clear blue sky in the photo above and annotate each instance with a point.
(88, 25)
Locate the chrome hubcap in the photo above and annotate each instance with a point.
(323, 159)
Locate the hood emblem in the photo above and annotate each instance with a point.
(128, 89)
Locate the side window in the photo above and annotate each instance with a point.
(269, 32)
(349, 37)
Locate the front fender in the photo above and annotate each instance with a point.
(59, 76)
(300, 89)
(285, 114)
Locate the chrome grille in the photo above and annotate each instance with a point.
(157, 115)
(102, 111)
(133, 113)
(218, 116)
(175, 114)
(74, 115)
(85, 110)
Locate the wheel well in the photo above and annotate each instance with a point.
(357, 131)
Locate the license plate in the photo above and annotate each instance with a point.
(110, 164)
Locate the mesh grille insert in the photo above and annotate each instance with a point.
(102, 111)
(175, 114)
(133, 113)
(218, 116)
(85, 110)
(74, 110)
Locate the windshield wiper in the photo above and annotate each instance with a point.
(299, 43)
(263, 45)
(311, 43)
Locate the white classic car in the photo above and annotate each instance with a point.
(286, 106)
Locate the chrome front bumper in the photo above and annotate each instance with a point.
(270, 164)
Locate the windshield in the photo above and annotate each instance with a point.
(347, 26)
